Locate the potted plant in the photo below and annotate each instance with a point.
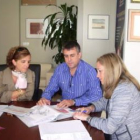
(62, 27)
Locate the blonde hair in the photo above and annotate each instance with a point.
(115, 71)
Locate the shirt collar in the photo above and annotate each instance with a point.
(79, 67)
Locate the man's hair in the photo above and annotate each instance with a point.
(115, 71)
(70, 45)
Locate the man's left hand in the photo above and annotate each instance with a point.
(65, 103)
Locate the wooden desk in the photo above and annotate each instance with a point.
(17, 130)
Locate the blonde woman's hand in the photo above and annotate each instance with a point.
(86, 110)
(80, 116)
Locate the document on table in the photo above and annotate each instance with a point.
(16, 110)
(2, 107)
(41, 114)
(66, 130)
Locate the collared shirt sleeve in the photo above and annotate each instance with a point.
(93, 90)
(53, 86)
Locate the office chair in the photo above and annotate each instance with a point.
(2, 67)
(36, 68)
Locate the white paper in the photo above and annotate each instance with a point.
(2, 107)
(41, 114)
(19, 111)
(66, 130)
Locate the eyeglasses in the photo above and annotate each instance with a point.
(19, 50)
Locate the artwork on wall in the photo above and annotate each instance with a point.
(120, 20)
(35, 28)
(133, 27)
(98, 27)
(135, 1)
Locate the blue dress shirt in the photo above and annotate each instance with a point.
(83, 86)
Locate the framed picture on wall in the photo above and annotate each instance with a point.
(35, 28)
(98, 27)
(135, 1)
(133, 27)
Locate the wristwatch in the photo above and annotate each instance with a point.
(20, 91)
(88, 119)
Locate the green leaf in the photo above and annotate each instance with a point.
(60, 30)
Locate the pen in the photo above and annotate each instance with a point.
(84, 111)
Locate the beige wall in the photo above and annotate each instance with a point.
(39, 55)
(93, 48)
(9, 26)
(13, 25)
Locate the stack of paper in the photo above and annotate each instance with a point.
(41, 114)
(18, 111)
(66, 130)
(2, 107)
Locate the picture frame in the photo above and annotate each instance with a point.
(98, 27)
(35, 28)
(135, 1)
(133, 27)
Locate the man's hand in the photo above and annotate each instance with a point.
(43, 101)
(65, 103)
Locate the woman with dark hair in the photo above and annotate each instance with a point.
(121, 101)
(17, 81)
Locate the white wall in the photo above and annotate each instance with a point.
(131, 49)
(92, 49)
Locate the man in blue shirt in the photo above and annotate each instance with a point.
(76, 78)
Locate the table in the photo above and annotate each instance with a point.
(17, 130)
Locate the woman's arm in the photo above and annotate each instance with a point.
(29, 91)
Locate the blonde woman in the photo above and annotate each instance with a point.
(121, 101)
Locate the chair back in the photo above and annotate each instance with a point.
(36, 68)
(2, 67)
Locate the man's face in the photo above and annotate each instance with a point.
(72, 57)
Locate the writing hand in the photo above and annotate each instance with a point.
(80, 116)
(86, 110)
